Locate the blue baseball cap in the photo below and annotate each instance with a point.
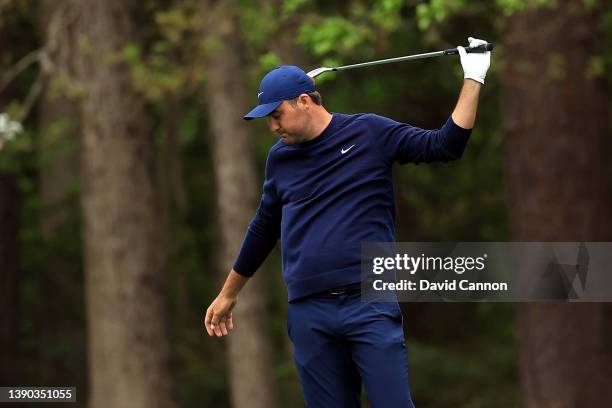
(280, 84)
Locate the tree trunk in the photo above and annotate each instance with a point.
(129, 350)
(250, 362)
(556, 124)
(173, 189)
(62, 276)
(9, 281)
(174, 203)
(58, 121)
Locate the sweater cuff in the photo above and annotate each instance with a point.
(253, 253)
(456, 138)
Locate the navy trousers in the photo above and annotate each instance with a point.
(339, 342)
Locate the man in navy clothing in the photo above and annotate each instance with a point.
(328, 188)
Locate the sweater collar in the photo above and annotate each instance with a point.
(333, 124)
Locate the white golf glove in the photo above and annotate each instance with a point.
(475, 65)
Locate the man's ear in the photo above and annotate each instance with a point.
(304, 100)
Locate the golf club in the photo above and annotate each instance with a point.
(451, 51)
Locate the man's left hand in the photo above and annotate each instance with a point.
(475, 65)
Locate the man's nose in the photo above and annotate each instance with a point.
(273, 124)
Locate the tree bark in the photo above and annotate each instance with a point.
(250, 362)
(9, 280)
(58, 120)
(174, 203)
(171, 177)
(61, 277)
(557, 168)
(129, 349)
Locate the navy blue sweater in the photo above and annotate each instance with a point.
(325, 197)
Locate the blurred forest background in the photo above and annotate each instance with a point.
(127, 179)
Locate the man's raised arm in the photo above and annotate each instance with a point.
(464, 114)
(475, 67)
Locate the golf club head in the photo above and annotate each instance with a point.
(319, 71)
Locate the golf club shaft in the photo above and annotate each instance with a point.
(451, 51)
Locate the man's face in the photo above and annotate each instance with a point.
(289, 122)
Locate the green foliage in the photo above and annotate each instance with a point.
(291, 6)
(170, 63)
(333, 34)
(436, 11)
(512, 6)
(176, 23)
(158, 75)
(61, 85)
(354, 31)
(261, 22)
(386, 13)
(596, 67)
(14, 152)
(269, 61)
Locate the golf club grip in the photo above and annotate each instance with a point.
(480, 48)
